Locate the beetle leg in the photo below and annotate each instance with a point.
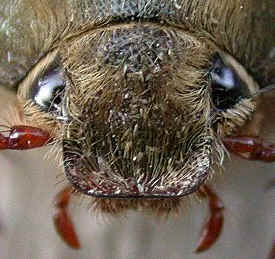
(23, 137)
(214, 224)
(27, 137)
(252, 148)
(62, 220)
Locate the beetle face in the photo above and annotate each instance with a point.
(138, 94)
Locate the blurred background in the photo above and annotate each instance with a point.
(28, 184)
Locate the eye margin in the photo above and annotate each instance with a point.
(48, 89)
(242, 85)
(28, 85)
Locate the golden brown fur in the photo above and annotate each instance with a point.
(176, 116)
(30, 28)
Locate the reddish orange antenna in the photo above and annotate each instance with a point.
(24, 137)
(251, 148)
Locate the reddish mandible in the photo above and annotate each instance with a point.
(22, 137)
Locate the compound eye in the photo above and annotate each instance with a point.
(227, 87)
(48, 90)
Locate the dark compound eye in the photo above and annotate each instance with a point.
(48, 90)
(227, 87)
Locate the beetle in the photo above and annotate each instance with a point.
(142, 99)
